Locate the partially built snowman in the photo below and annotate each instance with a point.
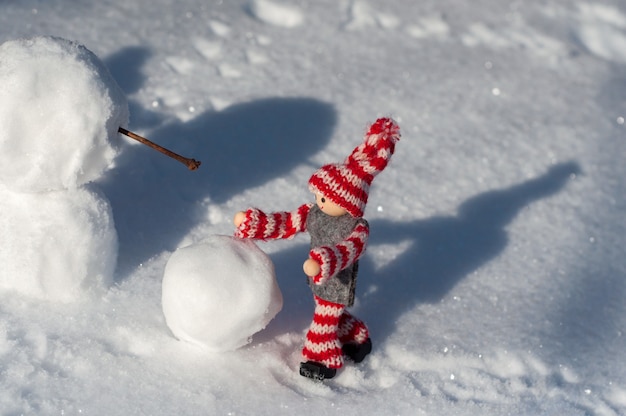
(60, 111)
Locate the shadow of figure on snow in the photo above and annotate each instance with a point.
(126, 66)
(444, 250)
(441, 252)
(156, 200)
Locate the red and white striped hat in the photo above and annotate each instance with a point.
(347, 184)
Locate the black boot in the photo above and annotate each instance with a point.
(357, 352)
(316, 371)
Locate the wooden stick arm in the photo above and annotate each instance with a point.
(191, 164)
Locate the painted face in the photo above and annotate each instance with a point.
(328, 207)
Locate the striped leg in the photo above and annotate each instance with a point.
(354, 336)
(322, 344)
(352, 329)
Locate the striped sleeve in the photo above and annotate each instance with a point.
(334, 259)
(272, 226)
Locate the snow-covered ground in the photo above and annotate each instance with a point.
(494, 279)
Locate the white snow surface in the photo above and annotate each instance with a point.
(494, 280)
(274, 13)
(219, 292)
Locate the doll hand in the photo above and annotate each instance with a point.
(246, 224)
(311, 268)
(238, 219)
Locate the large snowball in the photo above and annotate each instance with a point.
(220, 292)
(59, 111)
(56, 245)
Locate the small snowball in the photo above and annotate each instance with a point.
(60, 110)
(219, 293)
(56, 245)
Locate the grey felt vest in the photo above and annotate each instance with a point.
(326, 230)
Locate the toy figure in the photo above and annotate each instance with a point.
(338, 238)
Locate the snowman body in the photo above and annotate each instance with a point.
(60, 110)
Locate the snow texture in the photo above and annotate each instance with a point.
(494, 280)
(220, 292)
(56, 245)
(59, 110)
(276, 14)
